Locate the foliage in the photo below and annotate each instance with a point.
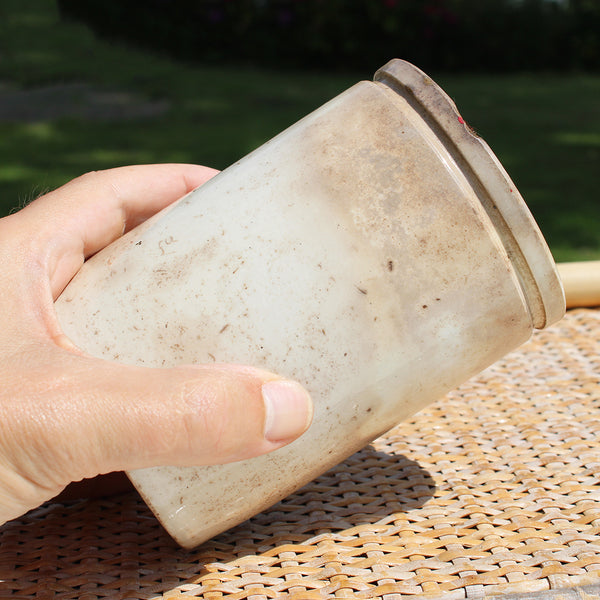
(497, 35)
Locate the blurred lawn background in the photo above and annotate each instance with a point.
(71, 102)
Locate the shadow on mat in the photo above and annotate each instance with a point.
(116, 544)
(365, 488)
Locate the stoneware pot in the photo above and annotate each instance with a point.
(376, 251)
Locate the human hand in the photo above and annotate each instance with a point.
(65, 415)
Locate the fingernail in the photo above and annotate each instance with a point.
(288, 410)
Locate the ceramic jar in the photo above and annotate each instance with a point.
(376, 251)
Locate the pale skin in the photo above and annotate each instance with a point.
(65, 415)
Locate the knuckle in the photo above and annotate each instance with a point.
(216, 428)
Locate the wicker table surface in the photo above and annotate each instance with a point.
(492, 490)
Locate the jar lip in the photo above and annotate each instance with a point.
(520, 234)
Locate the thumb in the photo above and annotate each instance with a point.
(100, 417)
(196, 415)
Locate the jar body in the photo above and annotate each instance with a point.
(351, 253)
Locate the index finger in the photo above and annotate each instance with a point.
(88, 213)
(100, 206)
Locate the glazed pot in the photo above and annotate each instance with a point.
(376, 251)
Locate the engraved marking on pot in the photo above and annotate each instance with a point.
(166, 242)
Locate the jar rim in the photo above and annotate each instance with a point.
(517, 229)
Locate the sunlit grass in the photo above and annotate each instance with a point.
(11, 173)
(544, 128)
(579, 138)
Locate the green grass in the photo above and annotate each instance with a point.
(544, 128)
(546, 131)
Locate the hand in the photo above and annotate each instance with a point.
(65, 415)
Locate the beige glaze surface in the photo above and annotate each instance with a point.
(353, 253)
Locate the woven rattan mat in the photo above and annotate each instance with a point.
(492, 490)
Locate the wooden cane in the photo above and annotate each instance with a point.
(581, 281)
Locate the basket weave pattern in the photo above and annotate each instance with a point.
(491, 490)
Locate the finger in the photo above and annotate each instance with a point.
(83, 216)
(194, 415)
(114, 417)
(103, 204)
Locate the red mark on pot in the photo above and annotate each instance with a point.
(461, 120)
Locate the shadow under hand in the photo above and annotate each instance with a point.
(117, 546)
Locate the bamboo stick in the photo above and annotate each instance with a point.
(581, 281)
